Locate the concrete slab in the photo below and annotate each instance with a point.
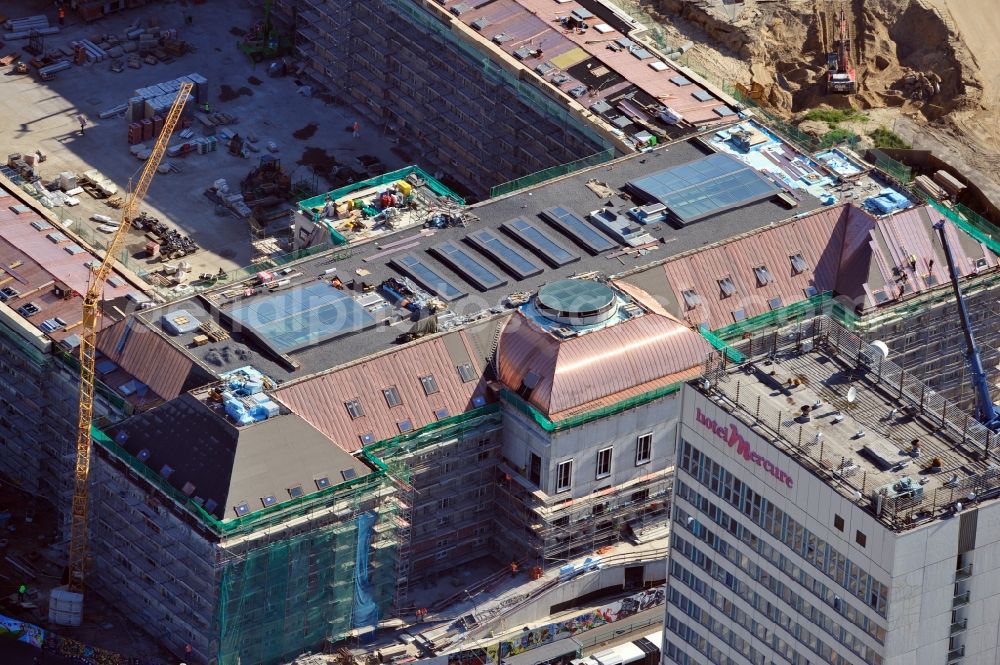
(37, 115)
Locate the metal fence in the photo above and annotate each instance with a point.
(537, 177)
(975, 440)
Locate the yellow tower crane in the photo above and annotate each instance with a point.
(88, 345)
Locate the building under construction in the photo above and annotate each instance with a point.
(493, 92)
(282, 457)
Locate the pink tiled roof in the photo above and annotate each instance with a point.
(146, 355)
(321, 400)
(599, 367)
(845, 251)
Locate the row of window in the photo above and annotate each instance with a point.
(782, 563)
(705, 646)
(759, 630)
(727, 287)
(564, 470)
(768, 609)
(429, 384)
(781, 526)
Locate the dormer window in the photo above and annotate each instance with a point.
(798, 263)
(691, 298)
(727, 287)
(763, 275)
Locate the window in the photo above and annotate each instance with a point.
(604, 462)
(466, 373)
(564, 476)
(354, 408)
(392, 397)
(860, 538)
(242, 508)
(268, 500)
(691, 299)
(810, 291)
(838, 522)
(727, 287)
(798, 263)
(643, 448)
(295, 492)
(444, 503)
(535, 469)
(774, 303)
(404, 426)
(430, 384)
(739, 315)
(763, 275)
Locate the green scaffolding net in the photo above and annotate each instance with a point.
(310, 205)
(548, 425)
(544, 175)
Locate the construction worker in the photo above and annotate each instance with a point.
(83, 123)
(357, 129)
(62, 15)
(21, 590)
(513, 568)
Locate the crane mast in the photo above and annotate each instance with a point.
(986, 413)
(88, 345)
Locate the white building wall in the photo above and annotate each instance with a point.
(521, 437)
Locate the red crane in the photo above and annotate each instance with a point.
(841, 78)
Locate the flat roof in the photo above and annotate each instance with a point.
(360, 274)
(832, 402)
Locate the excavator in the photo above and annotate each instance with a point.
(841, 77)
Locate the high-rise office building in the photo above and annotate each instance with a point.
(830, 508)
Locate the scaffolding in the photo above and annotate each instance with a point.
(305, 573)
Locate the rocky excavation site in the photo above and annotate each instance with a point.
(926, 69)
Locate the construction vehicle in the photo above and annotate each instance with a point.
(264, 41)
(841, 76)
(986, 411)
(73, 592)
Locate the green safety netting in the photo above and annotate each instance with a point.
(308, 205)
(544, 175)
(542, 421)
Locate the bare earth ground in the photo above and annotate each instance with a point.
(928, 70)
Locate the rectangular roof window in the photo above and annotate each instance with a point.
(429, 384)
(739, 315)
(392, 397)
(691, 299)
(763, 275)
(295, 492)
(466, 373)
(727, 287)
(354, 408)
(242, 509)
(774, 303)
(322, 483)
(810, 291)
(348, 474)
(798, 263)
(404, 426)
(268, 500)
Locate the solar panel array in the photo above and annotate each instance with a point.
(706, 187)
(426, 277)
(508, 258)
(539, 242)
(302, 316)
(579, 231)
(470, 269)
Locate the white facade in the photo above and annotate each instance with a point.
(769, 563)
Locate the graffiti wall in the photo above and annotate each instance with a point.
(529, 639)
(64, 646)
(21, 631)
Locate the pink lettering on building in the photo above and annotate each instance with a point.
(738, 444)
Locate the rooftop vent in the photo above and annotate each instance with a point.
(28, 309)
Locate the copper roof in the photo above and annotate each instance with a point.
(596, 368)
(146, 355)
(322, 400)
(35, 257)
(843, 250)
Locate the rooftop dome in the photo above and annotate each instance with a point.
(576, 302)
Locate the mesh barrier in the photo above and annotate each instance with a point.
(897, 170)
(823, 303)
(786, 433)
(307, 205)
(447, 428)
(573, 421)
(533, 179)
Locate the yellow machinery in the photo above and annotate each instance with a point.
(88, 342)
